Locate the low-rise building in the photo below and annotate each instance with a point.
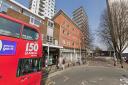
(16, 10)
(69, 37)
(51, 45)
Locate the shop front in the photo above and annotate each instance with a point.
(51, 54)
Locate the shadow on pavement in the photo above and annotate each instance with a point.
(51, 69)
(100, 59)
(46, 72)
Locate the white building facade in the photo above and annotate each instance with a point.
(43, 8)
(34, 18)
(111, 1)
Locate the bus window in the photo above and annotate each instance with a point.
(9, 28)
(29, 34)
(27, 66)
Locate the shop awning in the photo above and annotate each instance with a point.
(53, 46)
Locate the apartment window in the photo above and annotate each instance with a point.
(68, 33)
(51, 10)
(63, 32)
(52, 4)
(62, 26)
(34, 5)
(64, 42)
(68, 43)
(73, 29)
(37, 22)
(67, 25)
(50, 24)
(77, 43)
(73, 43)
(49, 39)
(32, 19)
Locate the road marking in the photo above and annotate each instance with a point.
(100, 79)
(124, 81)
(84, 82)
(51, 83)
(93, 81)
(66, 78)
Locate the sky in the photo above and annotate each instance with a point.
(24, 2)
(93, 8)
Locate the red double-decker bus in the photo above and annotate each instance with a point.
(20, 52)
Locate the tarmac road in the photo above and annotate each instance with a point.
(91, 75)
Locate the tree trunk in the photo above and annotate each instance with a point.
(120, 59)
(115, 58)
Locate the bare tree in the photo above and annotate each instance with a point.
(114, 27)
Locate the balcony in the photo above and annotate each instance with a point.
(50, 40)
(41, 5)
(42, 1)
(41, 14)
(41, 10)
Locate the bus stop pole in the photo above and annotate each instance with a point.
(48, 54)
(80, 55)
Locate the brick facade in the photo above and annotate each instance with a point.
(69, 35)
(56, 32)
(17, 15)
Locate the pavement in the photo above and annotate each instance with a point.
(97, 72)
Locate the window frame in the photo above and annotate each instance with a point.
(20, 28)
(20, 61)
(31, 29)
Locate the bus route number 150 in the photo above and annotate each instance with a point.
(31, 48)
